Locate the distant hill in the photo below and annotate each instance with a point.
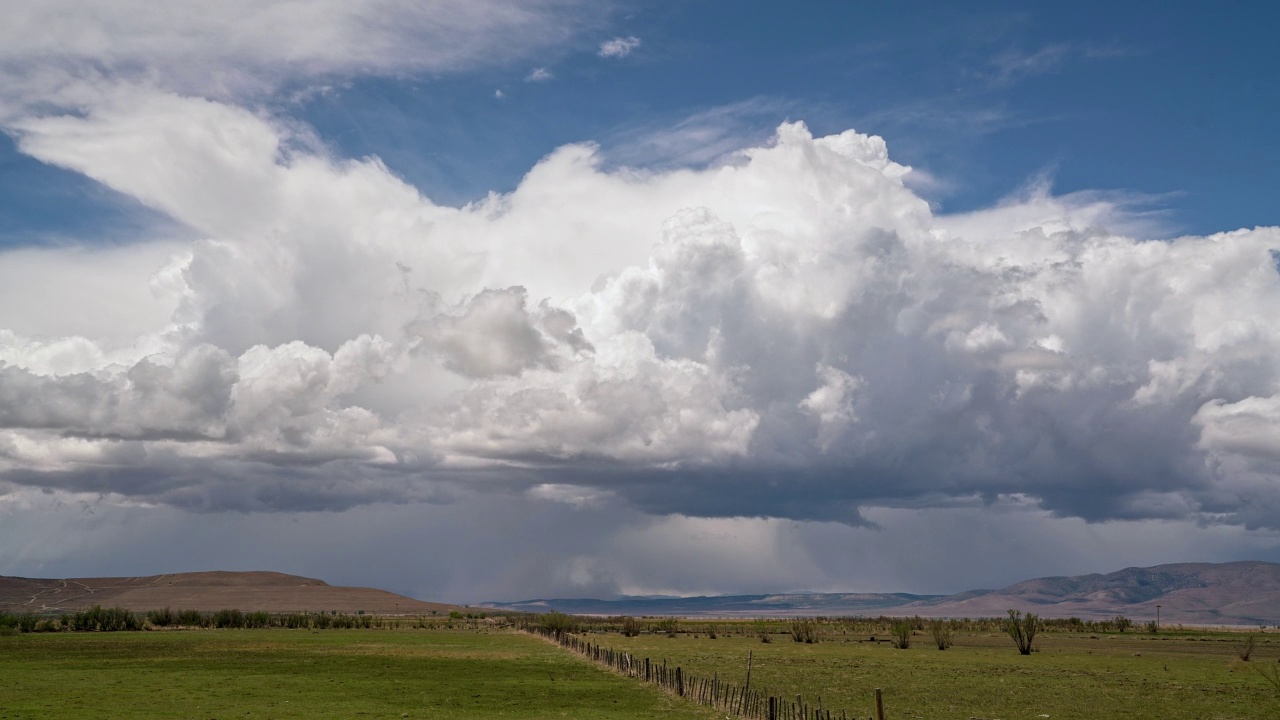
(1235, 593)
(205, 591)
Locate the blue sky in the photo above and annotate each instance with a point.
(1155, 98)
(632, 274)
(1170, 101)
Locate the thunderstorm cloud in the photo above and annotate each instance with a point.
(789, 333)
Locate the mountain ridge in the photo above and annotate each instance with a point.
(205, 591)
(1232, 593)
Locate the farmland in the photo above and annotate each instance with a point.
(1176, 674)
(303, 674)
(482, 671)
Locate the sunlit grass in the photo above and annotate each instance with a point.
(303, 674)
(983, 676)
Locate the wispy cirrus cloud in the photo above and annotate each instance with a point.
(1013, 65)
(702, 136)
(221, 49)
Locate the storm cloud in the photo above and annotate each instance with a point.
(790, 333)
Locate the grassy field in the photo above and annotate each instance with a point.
(222, 674)
(408, 673)
(1130, 676)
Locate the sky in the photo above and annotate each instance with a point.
(501, 300)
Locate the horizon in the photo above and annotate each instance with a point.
(512, 601)
(1196, 594)
(559, 298)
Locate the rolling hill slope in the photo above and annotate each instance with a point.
(206, 591)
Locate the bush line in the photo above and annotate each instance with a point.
(100, 619)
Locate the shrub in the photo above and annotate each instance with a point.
(630, 627)
(901, 631)
(1022, 629)
(1270, 673)
(8, 624)
(803, 630)
(941, 632)
(228, 618)
(1152, 627)
(1122, 623)
(162, 618)
(1245, 649)
(99, 619)
(670, 626)
(257, 620)
(191, 618)
(557, 622)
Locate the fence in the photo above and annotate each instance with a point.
(741, 701)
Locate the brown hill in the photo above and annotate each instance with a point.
(206, 591)
(1246, 592)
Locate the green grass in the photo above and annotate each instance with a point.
(300, 674)
(1113, 676)
(224, 674)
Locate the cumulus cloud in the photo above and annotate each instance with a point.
(682, 340)
(618, 47)
(789, 332)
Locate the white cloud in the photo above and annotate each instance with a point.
(832, 403)
(1013, 66)
(539, 74)
(733, 333)
(619, 47)
(678, 338)
(707, 136)
(250, 45)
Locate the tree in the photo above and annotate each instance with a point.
(1023, 629)
(1122, 623)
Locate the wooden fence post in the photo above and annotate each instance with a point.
(879, 706)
